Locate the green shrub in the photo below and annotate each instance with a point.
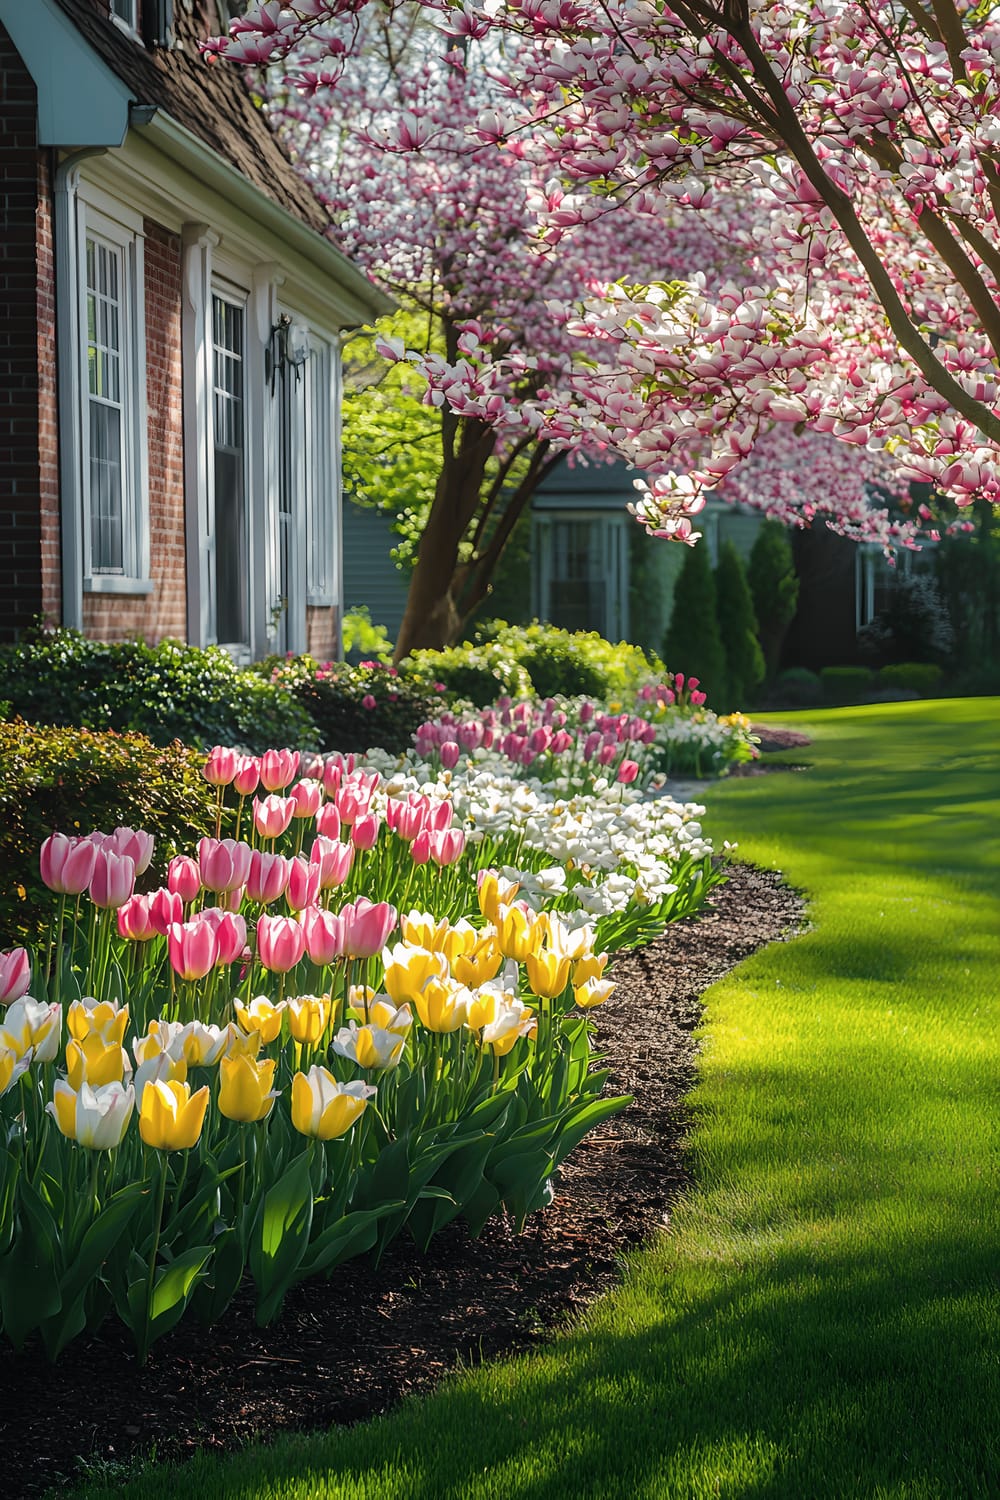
(693, 644)
(774, 588)
(363, 640)
(797, 688)
(621, 667)
(560, 669)
(480, 673)
(845, 684)
(354, 708)
(979, 682)
(74, 781)
(738, 629)
(170, 691)
(916, 676)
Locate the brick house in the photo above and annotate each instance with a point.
(172, 312)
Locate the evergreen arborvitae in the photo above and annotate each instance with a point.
(692, 644)
(774, 588)
(738, 629)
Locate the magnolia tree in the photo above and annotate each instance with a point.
(502, 198)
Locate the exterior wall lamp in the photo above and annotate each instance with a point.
(287, 349)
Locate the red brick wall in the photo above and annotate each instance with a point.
(48, 402)
(321, 633)
(163, 612)
(20, 482)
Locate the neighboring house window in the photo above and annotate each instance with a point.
(112, 389)
(127, 12)
(232, 593)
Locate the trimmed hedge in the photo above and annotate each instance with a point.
(75, 781)
(915, 676)
(167, 692)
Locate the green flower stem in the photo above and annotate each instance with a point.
(143, 1341)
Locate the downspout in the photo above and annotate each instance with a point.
(66, 249)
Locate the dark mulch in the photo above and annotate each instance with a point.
(773, 738)
(349, 1349)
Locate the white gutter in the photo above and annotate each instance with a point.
(364, 301)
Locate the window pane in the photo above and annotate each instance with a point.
(106, 544)
(232, 584)
(125, 10)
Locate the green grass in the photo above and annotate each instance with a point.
(824, 1318)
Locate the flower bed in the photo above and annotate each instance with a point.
(366, 1011)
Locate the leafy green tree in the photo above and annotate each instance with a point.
(738, 628)
(693, 644)
(774, 588)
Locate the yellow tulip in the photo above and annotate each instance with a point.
(483, 1007)
(513, 1020)
(519, 932)
(245, 1088)
(240, 1043)
(493, 889)
(593, 992)
(260, 1016)
(87, 1016)
(442, 1005)
(322, 1107)
(161, 1036)
(93, 1061)
(458, 940)
(479, 964)
(308, 1017)
(548, 973)
(421, 930)
(11, 1067)
(32, 1025)
(407, 970)
(202, 1045)
(590, 966)
(573, 943)
(369, 1046)
(170, 1116)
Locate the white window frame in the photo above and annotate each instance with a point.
(322, 483)
(117, 227)
(234, 295)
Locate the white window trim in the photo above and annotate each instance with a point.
(323, 490)
(103, 218)
(231, 292)
(130, 28)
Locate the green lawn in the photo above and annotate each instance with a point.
(824, 1319)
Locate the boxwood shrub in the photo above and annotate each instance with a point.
(915, 676)
(76, 780)
(845, 684)
(170, 691)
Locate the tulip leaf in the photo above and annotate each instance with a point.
(583, 1119)
(352, 1235)
(29, 1285)
(285, 1221)
(98, 1242)
(172, 1291)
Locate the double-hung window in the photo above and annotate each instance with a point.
(112, 419)
(321, 478)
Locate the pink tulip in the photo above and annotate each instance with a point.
(334, 860)
(165, 907)
(311, 766)
(333, 773)
(223, 864)
(281, 943)
(369, 702)
(406, 819)
(230, 933)
(278, 769)
(308, 798)
(590, 744)
(364, 834)
(184, 877)
(447, 845)
(221, 766)
(351, 802)
(67, 864)
(586, 712)
(193, 948)
(324, 935)
(470, 736)
(231, 900)
(439, 815)
(367, 926)
(15, 975)
(272, 815)
(113, 879)
(561, 742)
(267, 878)
(303, 883)
(134, 920)
(328, 821)
(420, 849)
(539, 739)
(627, 772)
(247, 777)
(449, 753)
(136, 843)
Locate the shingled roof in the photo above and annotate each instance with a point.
(209, 99)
